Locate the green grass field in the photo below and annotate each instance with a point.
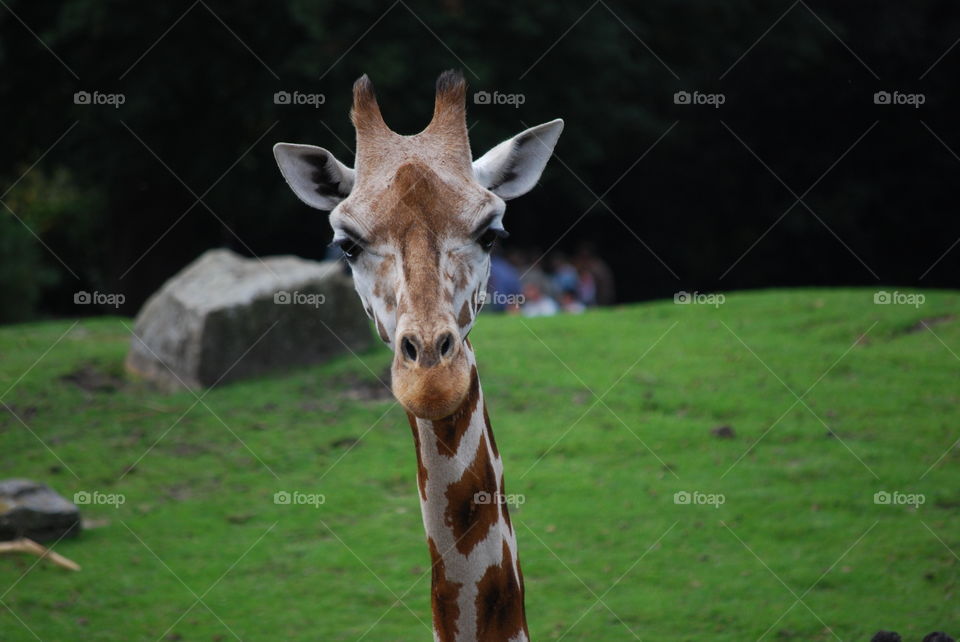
(798, 550)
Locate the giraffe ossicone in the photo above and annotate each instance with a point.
(416, 218)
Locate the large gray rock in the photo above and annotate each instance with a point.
(225, 317)
(34, 510)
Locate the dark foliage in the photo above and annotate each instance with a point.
(130, 194)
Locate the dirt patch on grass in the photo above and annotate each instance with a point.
(346, 442)
(368, 388)
(16, 413)
(930, 322)
(94, 378)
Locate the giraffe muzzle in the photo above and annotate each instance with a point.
(431, 376)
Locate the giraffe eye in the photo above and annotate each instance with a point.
(489, 238)
(350, 248)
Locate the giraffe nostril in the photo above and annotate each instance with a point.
(409, 350)
(445, 345)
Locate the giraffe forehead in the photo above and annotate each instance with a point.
(416, 200)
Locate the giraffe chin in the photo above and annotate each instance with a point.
(432, 393)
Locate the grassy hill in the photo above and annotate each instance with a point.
(797, 550)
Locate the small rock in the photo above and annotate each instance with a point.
(938, 636)
(31, 509)
(723, 432)
(886, 636)
(242, 518)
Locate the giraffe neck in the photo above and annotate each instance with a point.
(477, 586)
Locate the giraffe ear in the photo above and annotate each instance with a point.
(513, 167)
(314, 174)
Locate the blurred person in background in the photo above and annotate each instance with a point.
(586, 287)
(569, 302)
(536, 303)
(564, 275)
(504, 290)
(596, 277)
(531, 265)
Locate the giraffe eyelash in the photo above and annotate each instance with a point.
(489, 237)
(350, 247)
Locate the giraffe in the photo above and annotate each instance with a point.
(416, 219)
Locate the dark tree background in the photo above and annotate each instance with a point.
(690, 197)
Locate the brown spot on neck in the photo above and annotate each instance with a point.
(467, 515)
(503, 505)
(486, 422)
(443, 597)
(496, 453)
(500, 610)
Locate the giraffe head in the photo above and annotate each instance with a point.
(416, 219)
